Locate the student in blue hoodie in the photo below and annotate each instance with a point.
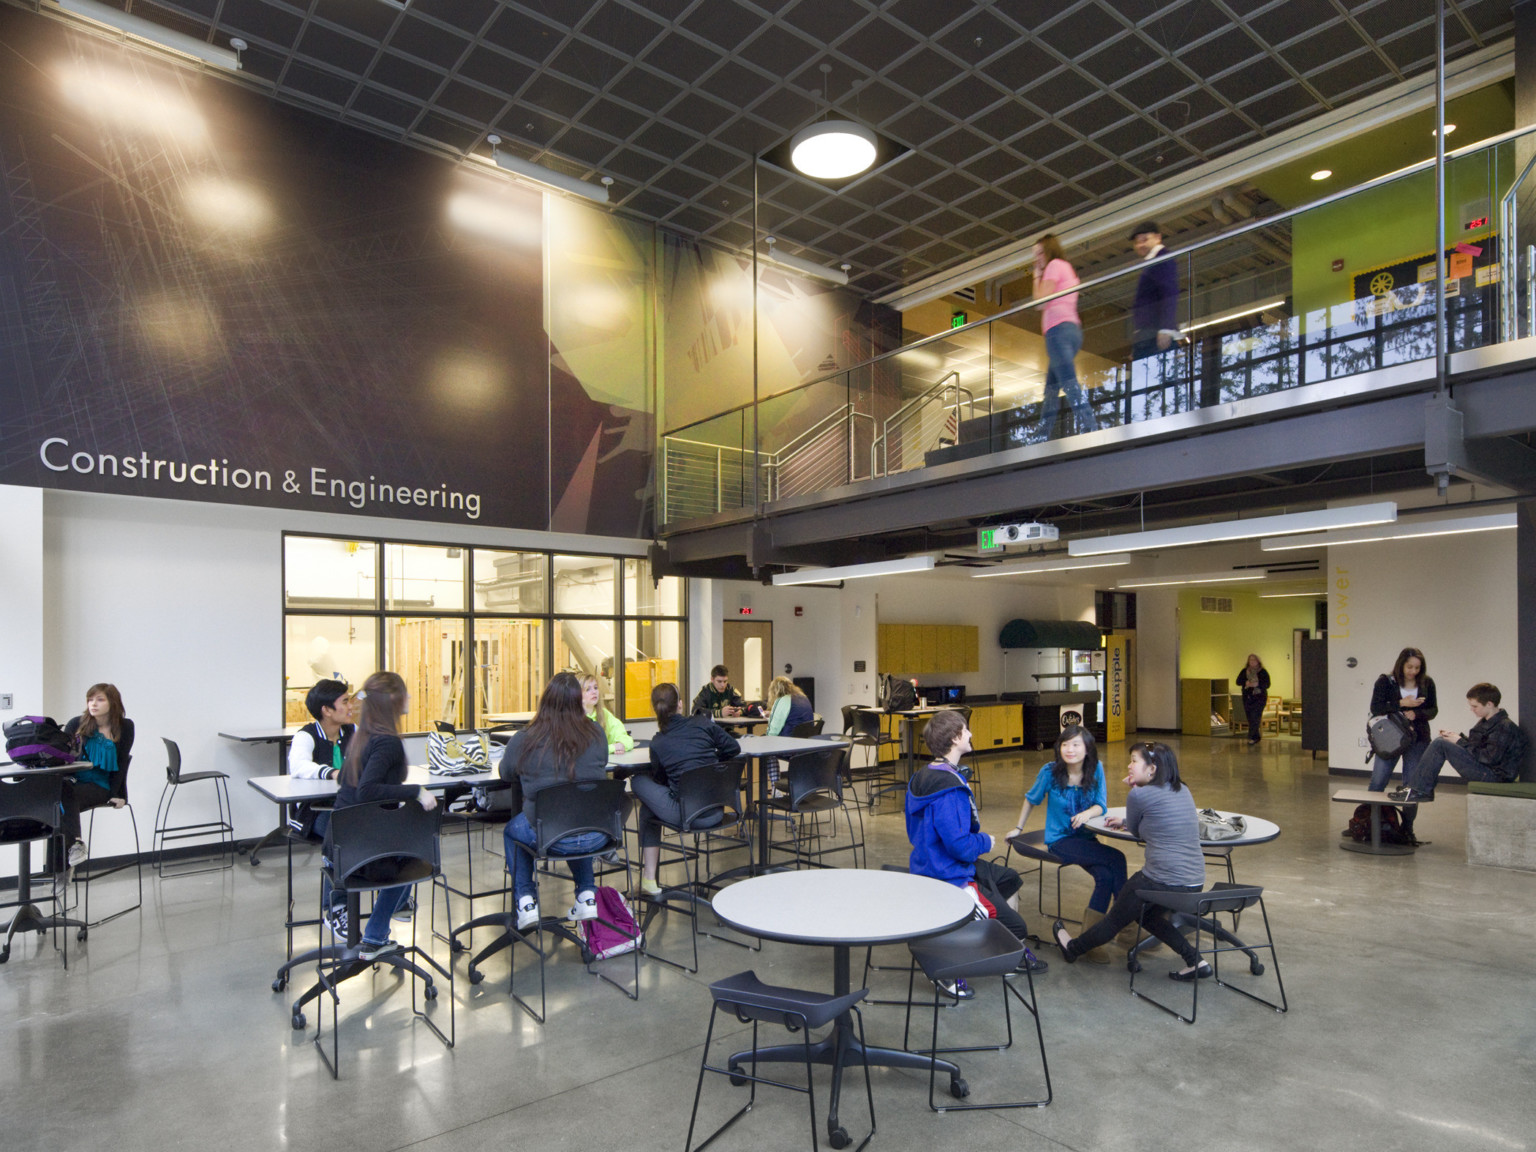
(946, 835)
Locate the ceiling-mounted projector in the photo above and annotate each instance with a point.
(1002, 535)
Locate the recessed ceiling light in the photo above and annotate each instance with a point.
(832, 149)
(1449, 128)
(1322, 174)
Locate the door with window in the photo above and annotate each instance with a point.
(748, 653)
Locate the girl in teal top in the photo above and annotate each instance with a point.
(1073, 794)
(618, 739)
(106, 740)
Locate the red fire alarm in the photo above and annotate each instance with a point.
(1338, 265)
(799, 611)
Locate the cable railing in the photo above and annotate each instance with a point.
(1344, 285)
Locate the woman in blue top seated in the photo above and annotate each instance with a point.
(1072, 788)
(106, 740)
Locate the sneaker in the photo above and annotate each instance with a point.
(1401, 795)
(649, 888)
(527, 913)
(1032, 964)
(337, 919)
(959, 989)
(585, 907)
(76, 854)
(407, 909)
(368, 951)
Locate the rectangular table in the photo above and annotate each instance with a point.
(281, 737)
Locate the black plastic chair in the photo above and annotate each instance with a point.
(381, 844)
(809, 730)
(460, 808)
(712, 809)
(1032, 846)
(1197, 909)
(751, 1001)
(29, 811)
(814, 782)
(974, 951)
(968, 770)
(223, 827)
(560, 811)
(86, 874)
(862, 729)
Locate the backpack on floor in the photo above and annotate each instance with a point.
(615, 931)
(1391, 826)
(38, 742)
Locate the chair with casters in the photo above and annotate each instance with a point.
(862, 729)
(562, 810)
(165, 831)
(753, 1002)
(462, 809)
(369, 847)
(29, 811)
(1198, 909)
(88, 872)
(814, 781)
(1032, 846)
(712, 811)
(974, 951)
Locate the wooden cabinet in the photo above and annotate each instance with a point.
(1201, 704)
(927, 649)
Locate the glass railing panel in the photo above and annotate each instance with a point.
(807, 438)
(937, 386)
(708, 467)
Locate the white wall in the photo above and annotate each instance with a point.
(23, 652)
(1453, 597)
(1157, 658)
(180, 605)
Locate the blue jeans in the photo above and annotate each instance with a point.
(1381, 770)
(1062, 344)
(1440, 751)
(520, 832)
(386, 901)
(1105, 864)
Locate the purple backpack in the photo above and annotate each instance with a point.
(37, 742)
(620, 933)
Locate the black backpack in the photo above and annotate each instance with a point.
(899, 694)
(38, 742)
(1359, 829)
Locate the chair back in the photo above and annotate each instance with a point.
(29, 806)
(383, 843)
(848, 719)
(579, 806)
(867, 724)
(807, 730)
(172, 762)
(816, 773)
(709, 792)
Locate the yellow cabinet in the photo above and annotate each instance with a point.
(927, 649)
(928, 640)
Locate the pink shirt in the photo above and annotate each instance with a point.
(1059, 275)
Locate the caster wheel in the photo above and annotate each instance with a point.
(839, 1138)
(81, 935)
(299, 1021)
(430, 992)
(457, 946)
(280, 983)
(737, 1079)
(475, 975)
(1255, 968)
(959, 1089)
(587, 957)
(5, 955)
(1133, 965)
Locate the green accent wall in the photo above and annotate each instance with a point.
(1216, 644)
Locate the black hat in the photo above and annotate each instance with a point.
(1144, 227)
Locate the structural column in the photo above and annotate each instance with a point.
(1525, 626)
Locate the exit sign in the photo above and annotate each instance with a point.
(959, 320)
(986, 540)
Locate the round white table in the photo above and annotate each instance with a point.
(842, 909)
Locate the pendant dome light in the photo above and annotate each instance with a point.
(832, 150)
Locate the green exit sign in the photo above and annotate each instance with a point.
(959, 320)
(986, 540)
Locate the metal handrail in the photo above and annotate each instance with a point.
(1168, 253)
(881, 443)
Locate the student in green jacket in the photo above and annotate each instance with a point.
(618, 739)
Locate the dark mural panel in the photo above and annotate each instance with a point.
(207, 296)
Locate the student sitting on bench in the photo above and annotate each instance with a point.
(1492, 751)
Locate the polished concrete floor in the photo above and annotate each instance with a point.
(1412, 1021)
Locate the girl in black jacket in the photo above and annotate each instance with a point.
(680, 746)
(1407, 690)
(106, 740)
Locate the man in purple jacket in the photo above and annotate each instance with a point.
(1155, 324)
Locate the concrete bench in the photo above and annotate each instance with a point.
(1501, 825)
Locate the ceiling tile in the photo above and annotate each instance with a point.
(587, 63)
(699, 114)
(723, 23)
(469, 15)
(263, 21)
(461, 137)
(318, 85)
(385, 108)
(736, 84)
(556, 97)
(495, 70)
(879, 45)
(824, 20)
(428, 42)
(924, 16)
(663, 139)
(778, 51)
(1060, 91)
(371, 20)
(613, 119)
(413, 80)
(531, 39)
(336, 49)
(623, 29)
(644, 88)
(1082, 31)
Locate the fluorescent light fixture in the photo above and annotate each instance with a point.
(1449, 128)
(855, 571)
(1320, 594)
(833, 150)
(1237, 314)
(799, 264)
(1322, 174)
(1065, 564)
(155, 33)
(1199, 578)
(549, 176)
(1453, 526)
(1353, 516)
